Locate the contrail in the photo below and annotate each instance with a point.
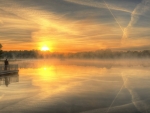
(96, 4)
(140, 105)
(139, 10)
(116, 96)
(113, 16)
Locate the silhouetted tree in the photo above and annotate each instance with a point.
(1, 50)
(1, 46)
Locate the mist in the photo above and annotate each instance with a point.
(98, 54)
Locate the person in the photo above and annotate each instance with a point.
(6, 64)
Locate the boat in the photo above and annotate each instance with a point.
(10, 69)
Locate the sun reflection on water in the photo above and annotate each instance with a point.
(46, 73)
(45, 84)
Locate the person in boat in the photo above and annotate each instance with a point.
(6, 64)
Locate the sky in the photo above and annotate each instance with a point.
(75, 25)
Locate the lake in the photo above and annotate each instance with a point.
(77, 86)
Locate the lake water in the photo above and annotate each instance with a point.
(55, 86)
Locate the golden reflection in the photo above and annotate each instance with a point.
(45, 79)
(56, 79)
(46, 73)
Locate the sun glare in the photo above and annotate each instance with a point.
(44, 48)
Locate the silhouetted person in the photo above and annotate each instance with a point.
(6, 64)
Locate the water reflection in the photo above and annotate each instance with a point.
(66, 87)
(8, 79)
(108, 64)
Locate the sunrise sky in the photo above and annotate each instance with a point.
(75, 25)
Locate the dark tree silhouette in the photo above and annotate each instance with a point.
(1, 50)
(1, 46)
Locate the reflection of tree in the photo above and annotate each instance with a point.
(6, 80)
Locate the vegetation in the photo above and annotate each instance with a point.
(99, 54)
(1, 50)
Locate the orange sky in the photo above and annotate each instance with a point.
(72, 26)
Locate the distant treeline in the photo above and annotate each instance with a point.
(99, 54)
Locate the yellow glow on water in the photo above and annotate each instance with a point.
(54, 83)
(46, 73)
(52, 79)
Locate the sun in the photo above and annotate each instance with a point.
(45, 48)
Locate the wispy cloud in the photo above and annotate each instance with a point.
(49, 27)
(140, 9)
(81, 23)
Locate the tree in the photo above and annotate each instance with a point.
(1, 50)
(1, 46)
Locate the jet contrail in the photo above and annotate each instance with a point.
(117, 94)
(139, 10)
(140, 105)
(115, 98)
(96, 4)
(113, 16)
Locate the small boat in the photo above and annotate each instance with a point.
(10, 69)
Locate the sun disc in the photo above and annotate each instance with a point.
(44, 48)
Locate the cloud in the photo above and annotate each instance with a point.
(80, 24)
(41, 26)
(17, 20)
(140, 9)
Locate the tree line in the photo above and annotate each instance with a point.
(98, 54)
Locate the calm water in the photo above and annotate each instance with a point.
(77, 86)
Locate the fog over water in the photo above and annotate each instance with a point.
(77, 86)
